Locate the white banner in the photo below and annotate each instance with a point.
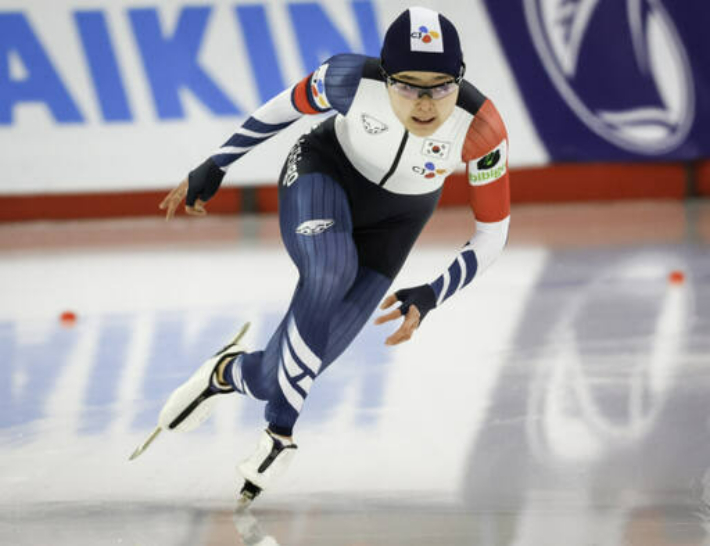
(127, 95)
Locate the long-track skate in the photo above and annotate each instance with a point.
(191, 403)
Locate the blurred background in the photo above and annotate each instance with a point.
(561, 399)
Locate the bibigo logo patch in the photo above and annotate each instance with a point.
(489, 161)
(483, 177)
(490, 167)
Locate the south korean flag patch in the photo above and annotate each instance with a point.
(425, 31)
(436, 149)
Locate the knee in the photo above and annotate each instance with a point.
(329, 265)
(331, 280)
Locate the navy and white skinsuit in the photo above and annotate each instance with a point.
(354, 194)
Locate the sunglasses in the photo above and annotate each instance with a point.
(414, 92)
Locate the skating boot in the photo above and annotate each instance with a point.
(191, 403)
(270, 460)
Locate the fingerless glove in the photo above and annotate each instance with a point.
(422, 296)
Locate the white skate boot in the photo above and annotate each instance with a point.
(270, 460)
(192, 402)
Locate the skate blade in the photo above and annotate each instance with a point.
(241, 333)
(141, 448)
(243, 504)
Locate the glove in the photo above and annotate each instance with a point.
(203, 182)
(423, 297)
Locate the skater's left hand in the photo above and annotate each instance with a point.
(406, 329)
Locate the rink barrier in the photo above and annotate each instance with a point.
(554, 184)
(83, 206)
(702, 178)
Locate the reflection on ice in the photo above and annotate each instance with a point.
(598, 422)
(250, 531)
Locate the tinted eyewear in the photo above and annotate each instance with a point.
(411, 91)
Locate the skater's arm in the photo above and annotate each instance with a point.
(204, 181)
(486, 156)
(330, 87)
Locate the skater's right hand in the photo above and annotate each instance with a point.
(175, 197)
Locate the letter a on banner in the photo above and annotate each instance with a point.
(102, 62)
(39, 81)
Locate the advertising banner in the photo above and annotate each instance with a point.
(612, 79)
(127, 95)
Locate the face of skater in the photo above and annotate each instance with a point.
(422, 111)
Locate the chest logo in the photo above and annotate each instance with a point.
(314, 227)
(429, 170)
(436, 149)
(372, 126)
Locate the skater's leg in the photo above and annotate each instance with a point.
(317, 231)
(345, 322)
(360, 303)
(274, 453)
(261, 376)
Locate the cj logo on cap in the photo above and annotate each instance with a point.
(425, 35)
(425, 31)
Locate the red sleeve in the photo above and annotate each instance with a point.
(488, 139)
(491, 203)
(300, 98)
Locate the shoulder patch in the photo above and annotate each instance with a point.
(490, 167)
(318, 88)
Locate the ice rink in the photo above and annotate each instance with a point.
(563, 399)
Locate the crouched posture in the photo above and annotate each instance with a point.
(354, 194)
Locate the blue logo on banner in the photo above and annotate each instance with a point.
(625, 71)
(572, 39)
